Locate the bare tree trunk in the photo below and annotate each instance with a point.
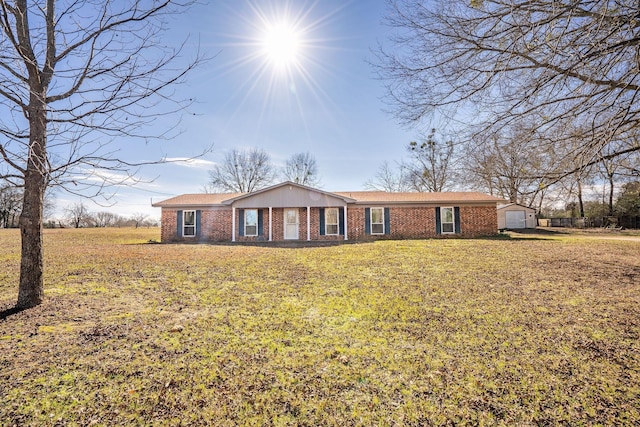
(580, 201)
(611, 189)
(31, 288)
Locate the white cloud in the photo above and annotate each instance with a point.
(190, 162)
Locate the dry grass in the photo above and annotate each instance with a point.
(524, 331)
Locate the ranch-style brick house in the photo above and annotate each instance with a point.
(290, 211)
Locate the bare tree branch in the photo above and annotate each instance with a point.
(562, 64)
(75, 76)
(301, 168)
(242, 172)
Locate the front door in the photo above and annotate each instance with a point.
(291, 224)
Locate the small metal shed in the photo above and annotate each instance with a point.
(514, 216)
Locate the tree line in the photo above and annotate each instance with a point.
(514, 168)
(77, 215)
(542, 94)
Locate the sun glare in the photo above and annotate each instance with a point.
(281, 44)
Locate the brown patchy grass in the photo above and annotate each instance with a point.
(522, 330)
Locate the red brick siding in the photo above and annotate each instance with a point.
(420, 222)
(215, 225)
(413, 223)
(355, 223)
(168, 225)
(478, 220)
(405, 223)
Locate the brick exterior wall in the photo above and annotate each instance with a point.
(405, 223)
(215, 226)
(478, 220)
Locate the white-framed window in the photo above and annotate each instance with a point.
(331, 221)
(251, 222)
(189, 223)
(377, 220)
(447, 221)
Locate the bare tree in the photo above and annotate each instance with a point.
(74, 75)
(105, 219)
(610, 168)
(391, 179)
(553, 62)
(243, 171)
(10, 205)
(301, 168)
(138, 219)
(432, 166)
(78, 215)
(509, 164)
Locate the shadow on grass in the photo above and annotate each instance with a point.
(10, 312)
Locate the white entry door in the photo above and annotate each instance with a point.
(291, 224)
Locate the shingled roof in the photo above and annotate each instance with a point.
(360, 197)
(418, 197)
(207, 199)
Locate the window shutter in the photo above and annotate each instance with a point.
(240, 222)
(198, 222)
(179, 227)
(456, 218)
(438, 222)
(341, 221)
(367, 221)
(322, 228)
(387, 221)
(260, 222)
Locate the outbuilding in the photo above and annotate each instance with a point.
(516, 217)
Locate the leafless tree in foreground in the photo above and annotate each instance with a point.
(301, 168)
(562, 64)
(242, 171)
(74, 76)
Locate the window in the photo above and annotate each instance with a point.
(251, 222)
(447, 221)
(189, 223)
(377, 220)
(331, 221)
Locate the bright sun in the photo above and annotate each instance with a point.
(281, 45)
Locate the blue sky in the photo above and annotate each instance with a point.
(329, 104)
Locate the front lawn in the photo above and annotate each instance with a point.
(514, 331)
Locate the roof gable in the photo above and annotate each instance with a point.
(288, 194)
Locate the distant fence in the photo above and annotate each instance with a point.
(595, 222)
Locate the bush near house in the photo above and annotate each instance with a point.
(490, 331)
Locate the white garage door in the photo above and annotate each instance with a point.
(515, 219)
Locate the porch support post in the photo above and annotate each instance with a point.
(233, 224)
(308, 222)
(270, 223)
(345, 222)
